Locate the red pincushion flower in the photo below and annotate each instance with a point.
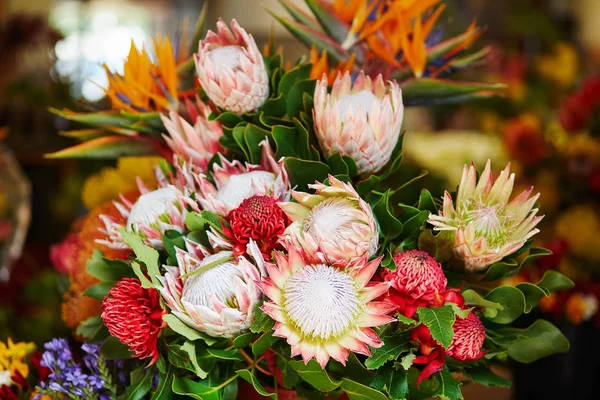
(418, 281)
(134, 316)
(469, 334)
(258, 218)
(524, 142)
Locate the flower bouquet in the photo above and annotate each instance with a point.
(270, 256)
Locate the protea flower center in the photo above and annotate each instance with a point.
(226, 57)
(241, 186)
(488, 223)
(213, 279)
(151, 206)
(329, 217)
(258, 218)
(363, 100)
(321, 301)
(469, 335)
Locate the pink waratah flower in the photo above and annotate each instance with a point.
(417, 281)
(469, 335)
(235, 182)
(361, 120)
(155, 211)
(487, 225)
(198, 143)
(335, 223)
(231, 69)
(323, 311)
(213, 293)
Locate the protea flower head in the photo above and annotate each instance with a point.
(213, 293)
(417, 281)
(231, 69)
(334, 223)
(467, 342)
(196, 144)
(234, 182)
(487, 225)
(154, 212)
(360, 120)
(323, 311)
(134, 316)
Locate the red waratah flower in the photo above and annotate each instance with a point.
(469, 334)
(7, 394)
(258, 218)
(432, 354)
(134, 316)
(524, 142)
(417, 281)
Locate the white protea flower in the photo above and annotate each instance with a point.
(235, 182)
(323, 311)
(361, 120)
(215, 294)
(231, 69)
(155, 211)
(487, 225)
(335, 223)
(198, 143)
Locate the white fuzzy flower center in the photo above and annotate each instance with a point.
(328, 218)
(321, 301)
(216, 282)
(362, 100)
(150, 206)
(242, 186)
(5, 378)
(488, 223)
(227, 57)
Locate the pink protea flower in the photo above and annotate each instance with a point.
(213, 293)
(361, 120)
(469, 335)
(198, 143)
(417, 281)
(487, 225)
(335, 223)
(231, 69)
(235, 182)
(323, 311)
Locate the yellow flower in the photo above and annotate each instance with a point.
(107, 184)
(583, 147)
(561, 66)
(579, 226)
(12, 355)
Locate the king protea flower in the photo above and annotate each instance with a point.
(213, 293)
(334, 223)
(231, 69)
(360, 120)
(487, 225)
(234, 182)
(198, 143)
(323, 311)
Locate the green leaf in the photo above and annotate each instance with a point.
(539, 340)
(392, 347)
(113, 349)
(427, 91)
(407, 361)
(439, 320)
(501, 269)
(251, 379)
(512, 301)
(330, 22)
(289, 375)
(472, 298)
(216, 221)
(315, 375)
(164, 391)
(426, 202)
(262, 322)
(109, 147)
(532, 295)
(137, 269)
(99, 290)
(337, 165)
(232, 355)
(534, 252)
(263, 343)
(190, 349)
(358, 391)
(427, 388)
(305, 172)
(449, 388)
(141, 384)
(389, 226)
(145, 254)
(195, 390)
(391, 381)
(299, 14)
(294, 75)
(441, 246)
(194, 222)
(296, 95)
(91, 327)
(243, 340)
(253, 135)
(172, 239)
(485, 376)
(405, 320)
(107, 270)
(185, 331)
(553, 281)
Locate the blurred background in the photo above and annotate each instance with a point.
(54, 54)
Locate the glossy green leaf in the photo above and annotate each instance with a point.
(393, 347)
(314, 375)
(251, 379)
(141, 384)
(407, 361)
(262, 322)
(244, 340)
(90, 327)
(358, 391)
(194, 390)
(190, 349)
(99, 290)
(534, 252)
(113, 349)
(305, 172)
(501, 269)
(553, 281)
(532, 293)
(428, 91)
(391, 381)
(143, 253)
(263, 343)
(426, 202)
(389, 226)
(299, 14)
(164, 389)
(172, 239)
(330, 22)
(539, 340)
(512, 301)
(189, 333)
(194, 222)
(449, 388)
(427, 388)
(439, 320)
(441, 246)
(109, 147)
(107, 270)
(232, 355)
(295, 98)
(490, 308)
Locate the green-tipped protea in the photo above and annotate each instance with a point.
(487, 226)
